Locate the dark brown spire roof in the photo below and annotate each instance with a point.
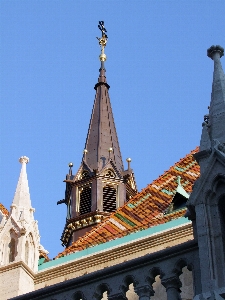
(102, 131)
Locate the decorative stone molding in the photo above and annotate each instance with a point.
(119, 296)
(144, 292)
(82, 221)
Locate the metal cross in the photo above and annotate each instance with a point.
(102, 28)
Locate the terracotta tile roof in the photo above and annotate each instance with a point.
(144, 210)
(4, 210)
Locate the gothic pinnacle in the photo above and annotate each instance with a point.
(217, 106)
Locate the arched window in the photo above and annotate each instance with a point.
(30, 251)
(85, 201)
(12, 250)
(26, 252)
(109, 198)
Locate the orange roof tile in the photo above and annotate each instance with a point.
(144, 210)
(4, 210)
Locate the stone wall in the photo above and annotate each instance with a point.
(141, 272)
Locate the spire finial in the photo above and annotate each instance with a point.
(110, 151)
(70, 168)
(102, 41)
(129, 161)
(85, 154)
(24, 159)
(215, 49)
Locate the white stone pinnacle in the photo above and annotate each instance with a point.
(22, 194)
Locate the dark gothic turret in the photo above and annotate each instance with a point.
(206, 204)
(101, 184)
(213, 131)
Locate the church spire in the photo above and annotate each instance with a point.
(101, 184)
(102, 131)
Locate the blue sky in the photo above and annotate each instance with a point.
(157, 68)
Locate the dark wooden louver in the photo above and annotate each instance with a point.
(109, 199)
(85, 201)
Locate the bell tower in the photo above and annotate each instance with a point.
(101, 184)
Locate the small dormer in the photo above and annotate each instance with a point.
(180, 198)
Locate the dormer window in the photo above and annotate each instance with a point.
(179, 200)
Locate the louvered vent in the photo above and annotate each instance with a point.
(109, 199)
(85, 201)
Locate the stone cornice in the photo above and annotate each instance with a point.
(16, 265)
(115, 255)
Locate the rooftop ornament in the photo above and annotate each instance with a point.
(85, 154)
(102, 40)
(70, 166)
(129, 161)
(110, 151)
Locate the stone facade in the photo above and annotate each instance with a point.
(141, 272)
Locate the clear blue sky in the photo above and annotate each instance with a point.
(157, 68)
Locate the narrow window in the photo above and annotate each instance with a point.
(26, 252)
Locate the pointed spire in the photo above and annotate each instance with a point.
(22, 194)
(102, 131)
(217, 105)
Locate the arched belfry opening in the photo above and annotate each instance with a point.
(101, 184)
(85, 200)
(109, 198)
